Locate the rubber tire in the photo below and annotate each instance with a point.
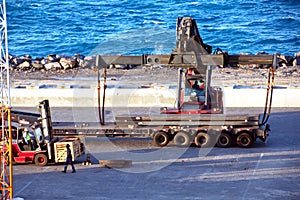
(182, 139)
(224, 140)
(245, 140)
(161, 138)
(202, 140)
(40, 159)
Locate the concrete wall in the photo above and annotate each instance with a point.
(146, 97)
(88, 97)
(257, 97)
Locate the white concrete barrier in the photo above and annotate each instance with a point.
(289, 97)
(145, 97)
(88, 97)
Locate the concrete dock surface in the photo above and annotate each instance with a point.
(266, 171)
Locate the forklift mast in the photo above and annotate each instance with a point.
(46, 122)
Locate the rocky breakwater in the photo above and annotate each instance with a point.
(50, 62)
(65, 62)
(289, 60)
(61, 66)
(287, 73)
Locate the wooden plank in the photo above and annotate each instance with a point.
(115, 163)
(60, 150)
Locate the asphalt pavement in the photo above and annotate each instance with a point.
(266, 171)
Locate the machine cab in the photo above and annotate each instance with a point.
(195, 94)
(28, 138)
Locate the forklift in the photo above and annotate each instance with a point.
(33, 140)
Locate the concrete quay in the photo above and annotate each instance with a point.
(265, 171)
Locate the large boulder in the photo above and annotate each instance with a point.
(52, 58)
(52, 66)
(80, 60)
(68, 62)
(12, 62)
(26, 57)
(89, 61)
(296, 61)
(285, 61)
(17, 61)
(37, 64)
(24, 65)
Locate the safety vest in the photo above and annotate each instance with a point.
(27, 137)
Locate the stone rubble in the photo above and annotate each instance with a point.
(51, 62)
(64, 62)
(59, 67)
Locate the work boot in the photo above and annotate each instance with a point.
(65, 170)
(73, 169)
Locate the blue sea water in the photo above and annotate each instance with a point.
(88, 27)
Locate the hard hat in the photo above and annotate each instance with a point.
(67, 145)
(25, 129)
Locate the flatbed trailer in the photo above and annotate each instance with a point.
(198, 116)
(203, 130)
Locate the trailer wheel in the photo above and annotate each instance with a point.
(224, 140)
(40, 159)
(161, 138)
(182, 139)
(245, 140)
(202, 139)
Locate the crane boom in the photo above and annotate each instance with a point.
(6, 139)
